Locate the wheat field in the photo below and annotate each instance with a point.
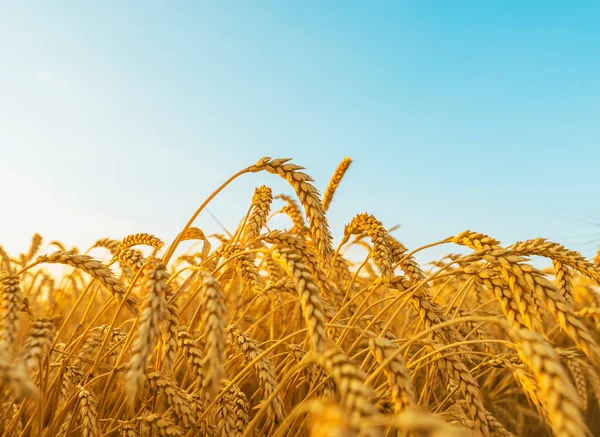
(277, 332)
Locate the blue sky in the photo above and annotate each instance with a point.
(120, 117)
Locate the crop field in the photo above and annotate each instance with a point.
(278, 332)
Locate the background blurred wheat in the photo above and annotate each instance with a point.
(276, 332)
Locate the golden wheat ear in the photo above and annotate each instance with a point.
(555, 389)
(274, 333)
(153, 312)
(334, 182)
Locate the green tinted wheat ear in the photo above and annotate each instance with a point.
(309, 197)
(95, 269)
(213, 329)
(555, 390)
(10, 304)
(334, 182)
(261, 206)
(153, 312)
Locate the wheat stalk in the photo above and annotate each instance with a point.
(232, 412)
(334, 182)
(87, 413)
(176, 398)
(556, 392)
(10, 303)
(93, 268)
(309, 197)
(153, 312)
(263, 368)
(213, 329)
(261, 206)
(312, 307)
(403, 392)
(318, 342)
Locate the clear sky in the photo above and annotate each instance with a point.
(119, 117)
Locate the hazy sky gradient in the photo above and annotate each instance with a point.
(120, 117)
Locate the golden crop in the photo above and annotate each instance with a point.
(276, 332)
